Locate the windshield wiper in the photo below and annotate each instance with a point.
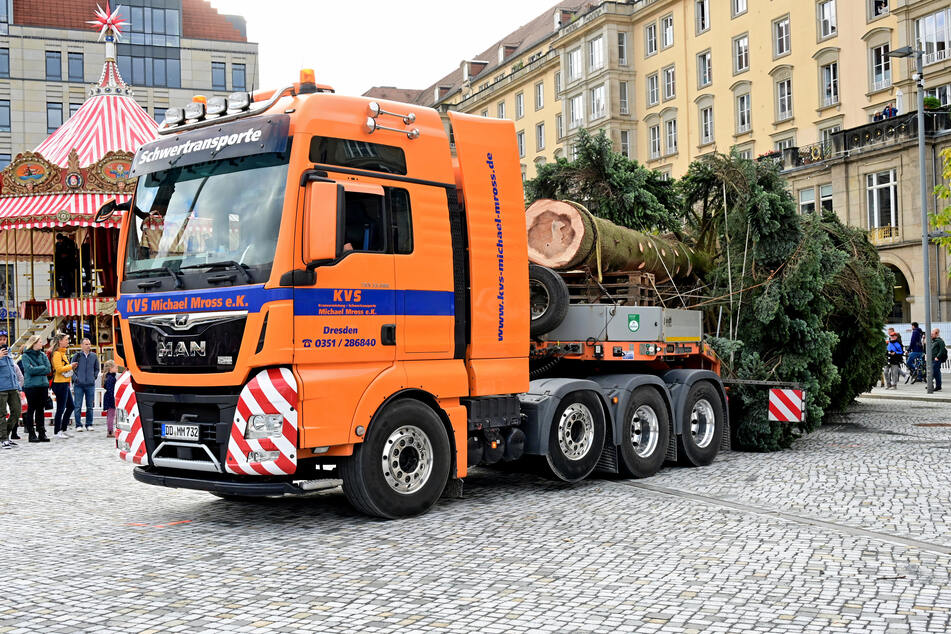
(239, 266)
(162, 269)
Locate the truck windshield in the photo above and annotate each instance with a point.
(228, 210)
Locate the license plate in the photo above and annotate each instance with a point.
(180, 432)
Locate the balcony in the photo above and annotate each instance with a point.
(936, 56)
(884, 235)
(882, 83)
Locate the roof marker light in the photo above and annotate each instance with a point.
(174, 116)
(216, 106)
(238, 101)
(195, 111)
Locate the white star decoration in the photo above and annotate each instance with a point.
(107, 21)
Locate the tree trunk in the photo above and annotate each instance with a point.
(564, 235)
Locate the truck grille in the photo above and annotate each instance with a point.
(187, 343)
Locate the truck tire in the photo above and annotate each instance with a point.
(576, 438)
(702, 428)
(548, 299)
(402, 467)
(645, 434)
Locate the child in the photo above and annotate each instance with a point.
(109, 398)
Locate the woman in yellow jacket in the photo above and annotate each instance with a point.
(62, 377)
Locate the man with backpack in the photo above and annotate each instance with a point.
(939, 354)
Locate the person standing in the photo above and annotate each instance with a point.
(916, 349)
(939, 354)
(109, 397)
(36, 368)
(86, 370)
(9, 397)
(62, 375)
(896, 356)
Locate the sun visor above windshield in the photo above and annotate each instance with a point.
(257, 135)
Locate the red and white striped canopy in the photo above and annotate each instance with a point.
(104, 123)
(71, 307)
(38, 211)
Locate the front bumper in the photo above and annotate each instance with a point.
(225, 487)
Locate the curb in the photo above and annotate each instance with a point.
(897, 397)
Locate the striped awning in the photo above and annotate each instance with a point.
(40, 211)
(88, 306)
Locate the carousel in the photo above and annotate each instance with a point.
(54, 251)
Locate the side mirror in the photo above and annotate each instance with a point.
(323, 215)
(108, 209)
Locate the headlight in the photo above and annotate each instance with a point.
(122, 420)
(265, 426)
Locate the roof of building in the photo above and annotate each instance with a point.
(200, 20)
(522, 39)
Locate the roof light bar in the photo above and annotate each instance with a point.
(216, 106)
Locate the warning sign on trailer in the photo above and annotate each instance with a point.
(786, 406)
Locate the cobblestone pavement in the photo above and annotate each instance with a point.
(848, 531)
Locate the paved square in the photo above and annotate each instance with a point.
(848, 531)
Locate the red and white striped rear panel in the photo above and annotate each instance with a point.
(125, 400)
(272, 391)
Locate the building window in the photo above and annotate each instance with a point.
(941, 93)
(670, 83)
(704, 69)
(933, 34)
(152, 27)
(781, 37)
(539, 137)
(784, 144)
(882, 190)
(653, 94)
(706, 125)
(574, 64)
(485, 112)
(558, 86)
(54, 117)
(650, 39)
(830, 84)
(597, 102)
(746, 153)
(739, 7)
(741, 54)
(825, 197)
(596, 53)
(626, 143)
(520, 137)
(671, 136)
(239, 77)
(54, 65)
(654, 141)
(807, 201)
(5, 160)
(879, 8)
(500, 110)
(881, 68)
(559, 126)
(4, 115)
(827, 26)
(575, 111)
(539, 96)
(74, 108)
(702, 13)
(667, 31)
(4, 19)
(622, 49)
(140, 69)
(784, 103)
(826, 133)
(4, 62)
(519, 105)
(74, 67)
(744, 112)
(218, 76)
(622, 97)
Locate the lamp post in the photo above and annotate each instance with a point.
(908, 51)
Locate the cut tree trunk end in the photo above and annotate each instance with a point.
(564, 235)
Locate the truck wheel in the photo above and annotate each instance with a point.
(645, 434)
(402, 467)
(576, 438)
(548, 299)
(702, 427)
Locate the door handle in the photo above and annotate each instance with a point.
(388, 335)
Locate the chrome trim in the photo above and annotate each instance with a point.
(228, 117)
(194, 319)
(178, 463)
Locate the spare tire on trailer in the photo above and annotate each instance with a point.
(548, 299)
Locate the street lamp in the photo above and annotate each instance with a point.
(908, 51)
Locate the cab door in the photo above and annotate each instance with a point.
(344, 324)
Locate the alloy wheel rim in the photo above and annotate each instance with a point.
(645, 429)
(576, 431)
(407, 459)
(702, 423)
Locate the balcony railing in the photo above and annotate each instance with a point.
(937, 56)
(743, 127)
(829, 100)
(882, 83)
(808, 154)
(884, 235)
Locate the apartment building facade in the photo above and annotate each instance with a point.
(170, 51)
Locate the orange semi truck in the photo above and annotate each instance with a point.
(318, 286)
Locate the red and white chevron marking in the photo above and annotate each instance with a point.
(125, 400)
(272, 391)
(785, 406)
